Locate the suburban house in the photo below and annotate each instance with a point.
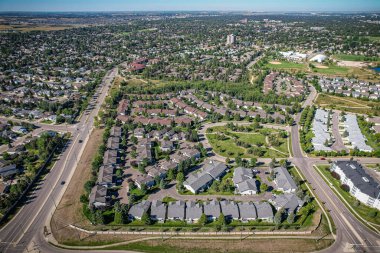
(176, 210)
(106, 176)
(247, 211)
(289, 202)
(244, 181)
(158, 211)
(212, 210)
(284, 180)
(212, 170)
(139, 132)
(229, 209)
(146, 180)
(110, 157)
(362, 186)
(264, 211)
(99, 197)
(138, 210)
(194, 211)
(9, 171)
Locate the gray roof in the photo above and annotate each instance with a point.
(193, 210)
(113, 143)
(288, 201)
(283, 179)
(214, 168)
(364, 182)
(247, 185)
(229, 209)
(320, 130)
(98, 194)
(198, 181)
(176, 210)
(9, 170)
(247, 210)
(158, 210)
(212, 208)
(354, 133)
(110, 157)
(105, 174)
(264, 211)
(138, 210)
(115, 131)
(242, 174)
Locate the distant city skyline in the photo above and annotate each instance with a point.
(193, 5)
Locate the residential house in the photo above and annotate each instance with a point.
(176, 210)
(99, 197)
(230, 209)
(158, 211)
(194, 211)
(247, 211)
(212, 210)
(284, 180)
(264, 211)
(137, 211)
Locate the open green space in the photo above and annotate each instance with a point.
(332, 70)
(348, 104)
(286, 65)
(351, 57)
(226, 245)
(247, 145)
(367, 213)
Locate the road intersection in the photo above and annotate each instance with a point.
(27, 229)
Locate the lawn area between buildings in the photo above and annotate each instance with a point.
(252, 144)
(348, 104)
(367, 213)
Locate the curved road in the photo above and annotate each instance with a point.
(25, 231)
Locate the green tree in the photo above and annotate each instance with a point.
(263, 187)
(278, 217)
(118, 215)
(180, 177)
(253, 162)
(162, 184)
(222, 220)
(202, 220)
(146, 219)
(291, 218)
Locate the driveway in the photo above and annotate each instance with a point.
(338, 144)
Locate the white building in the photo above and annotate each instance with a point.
(231, 38)
(319, 58)
(362, 186)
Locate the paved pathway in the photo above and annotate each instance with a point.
(338, 144)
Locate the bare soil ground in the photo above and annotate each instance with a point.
(355, 64)
(321, 67)
(69, 210)
(275, 62)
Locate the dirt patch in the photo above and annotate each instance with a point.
(275, 62)
(355, 64)
(69, 210)
(321, 67)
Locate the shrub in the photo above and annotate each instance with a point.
(345, 187)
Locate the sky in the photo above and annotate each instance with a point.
(190, 5)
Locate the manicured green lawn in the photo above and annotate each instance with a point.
(286, 65)
(332, 70)
(227, 147)
(363, 210)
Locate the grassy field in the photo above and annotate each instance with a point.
(29, 28)
(286, 65)
(348, 104)
(228, 245)
(351, 57)
(363, 210)
(374, 38)
(332, 70)
(228, 147)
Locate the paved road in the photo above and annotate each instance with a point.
(27, 226)
(338, 144)
(349, 230)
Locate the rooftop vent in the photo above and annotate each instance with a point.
(352, 166)
(365, 179)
